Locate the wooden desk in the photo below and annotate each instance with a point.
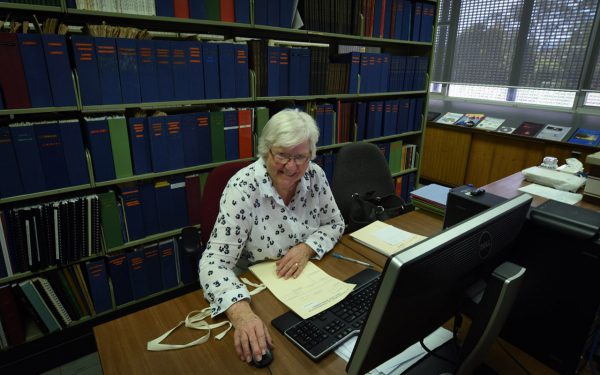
(122, 342)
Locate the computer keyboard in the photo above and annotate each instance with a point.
(322, 333)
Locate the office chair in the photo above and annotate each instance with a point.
(359, 168)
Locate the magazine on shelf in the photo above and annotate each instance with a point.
(554, 132)
(506, 129)
(528, 129)
(490, 123)
(449, 118)
(587, 137)
(470, 119)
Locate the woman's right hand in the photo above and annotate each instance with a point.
(251, 336)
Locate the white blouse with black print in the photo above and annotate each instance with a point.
(254, 224)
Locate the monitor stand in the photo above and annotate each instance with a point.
(490, 315)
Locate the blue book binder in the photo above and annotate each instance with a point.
(36, 72)
(181, 85)
(52, 155)
(174, 142)
(272, 11)
(59, 70)
(28, 157)
(390, 117)
(195, 70)
(396, 33)
(352, 59)
(148, 200)
(98, 282)
(147, 70)
(377, 12)
(164, 205)
(375, 118)
(242, 11)
(407, 20)
(387, 19)
(416, 21)
(168, 263)
(188, 264)
(402, 125)
(137, 274)
(411, 114)
(212, 87)
(128, 70)
(197, 9)
(328, 164)
(286, 13)
(164, 70)
(86, 63)
(260, 12)
(98, 141)
(409, 73)
(230, 120)
(273, 76)
(319, 119)
(164, 8)
(139, 139)
(227, 61)
(179, 199)
(153, 268)
(418, 113)
(328, 124)
(10, 184)
(384, 76)
(421, 64)
(361, 120)
(304, 72)
(242, 82)
(157, 128)
(118, 271)
(134, 213)
(205, 146)
(284, 71)
(364, 73)
(70, 132)
(108, 70)
(427, 16)
(191, 140)
(294, 66)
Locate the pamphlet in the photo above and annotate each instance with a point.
(384, 238)
(490, 123)
(449, 118)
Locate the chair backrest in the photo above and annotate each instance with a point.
(359, 168)
(215, 183)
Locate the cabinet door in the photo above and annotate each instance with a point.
(493, 157)
(445, 155)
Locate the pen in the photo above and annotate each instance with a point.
(340, 256)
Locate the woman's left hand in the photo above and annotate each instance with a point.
(293, 263)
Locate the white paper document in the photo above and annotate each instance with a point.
(402, 361)
(550, 193)
(311, 293)
(385, 238)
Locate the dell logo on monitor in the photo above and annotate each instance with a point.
(485, 244)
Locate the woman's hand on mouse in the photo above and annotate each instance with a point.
(294, 262)
(251, 336)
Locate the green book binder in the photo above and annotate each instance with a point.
(119, 140)
(110, 220)
(217, 136)
(395, 157)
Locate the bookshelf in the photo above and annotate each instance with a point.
(78, 333)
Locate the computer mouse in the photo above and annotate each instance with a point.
(267, 358)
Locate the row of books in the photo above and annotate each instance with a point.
(382, 118)
(402, 156)
(47, 234)
(399, 19)
(404, 185)
(581, 136)
(68, 294)
(119, 70)
(41, 156)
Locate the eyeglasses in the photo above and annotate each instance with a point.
(282, 158)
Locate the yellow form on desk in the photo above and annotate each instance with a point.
(385, 238)
(309, 294)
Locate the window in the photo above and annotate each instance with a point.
(527, 51)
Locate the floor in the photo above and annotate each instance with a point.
(87, 365)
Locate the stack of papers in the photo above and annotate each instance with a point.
(384, 238)
(432, 198)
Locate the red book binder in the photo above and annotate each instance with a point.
(193, 196)
(227, 11)
(13, 85)
(245, 133)
(181, 8)
(9, 312)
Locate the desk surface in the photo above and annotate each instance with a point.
(122, 342)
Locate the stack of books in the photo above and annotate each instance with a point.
(431, 197)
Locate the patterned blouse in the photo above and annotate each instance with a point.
(254, 224)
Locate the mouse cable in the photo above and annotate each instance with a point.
(501, 345)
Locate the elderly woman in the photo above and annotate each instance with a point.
(280, 207)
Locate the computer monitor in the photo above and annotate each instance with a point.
(424, 286)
